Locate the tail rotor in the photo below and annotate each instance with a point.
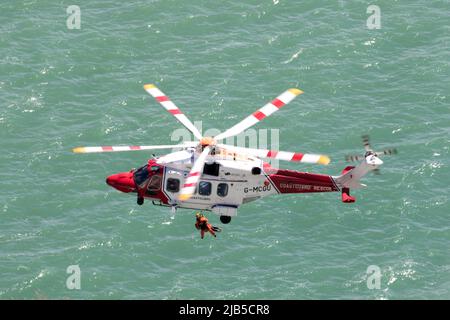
(372, 157)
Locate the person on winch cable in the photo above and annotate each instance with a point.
(202, 224)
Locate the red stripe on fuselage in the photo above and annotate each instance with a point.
(107, 148)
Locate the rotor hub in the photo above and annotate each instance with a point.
(207, 141)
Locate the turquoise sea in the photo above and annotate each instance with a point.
(220, 61)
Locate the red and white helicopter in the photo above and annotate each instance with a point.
(207, 175)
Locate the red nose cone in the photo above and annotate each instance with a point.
(122, 181)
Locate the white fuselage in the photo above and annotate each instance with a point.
(221, 192)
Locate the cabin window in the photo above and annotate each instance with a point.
(204, 188)
(222, 189)
(173, 185)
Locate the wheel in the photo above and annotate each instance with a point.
(225, 219)
(140, 201)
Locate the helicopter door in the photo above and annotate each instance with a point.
(154, 185)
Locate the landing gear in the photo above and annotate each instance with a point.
(140, 201)
(225, 219)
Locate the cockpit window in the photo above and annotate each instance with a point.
(141, 175)
(154, 185)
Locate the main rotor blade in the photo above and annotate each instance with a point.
(280, 155)
(127, 148)
(262, 113)
(172, 108)
(194, 176)
(175, 157)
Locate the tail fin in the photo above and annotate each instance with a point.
(351, 175)
(349, 179)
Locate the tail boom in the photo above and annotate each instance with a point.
(290, 181)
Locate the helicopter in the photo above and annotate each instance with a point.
(208, 175)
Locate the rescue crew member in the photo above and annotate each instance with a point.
(202, 224)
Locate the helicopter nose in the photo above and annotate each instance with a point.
(122, 181)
